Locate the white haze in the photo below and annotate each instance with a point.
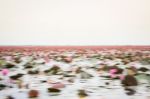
(74, 22)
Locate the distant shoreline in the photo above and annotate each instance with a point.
(32, 47)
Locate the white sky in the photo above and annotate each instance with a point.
(74, 22)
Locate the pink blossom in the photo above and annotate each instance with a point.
(112, 71)
(58, 85)
(5, 72)
(121, 77)
(113, 76)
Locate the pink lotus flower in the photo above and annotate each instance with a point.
(58, 85)
(121, 77)
(113, 71)
(47, 59)
(112, 75)
(68, 59)
(5, 72)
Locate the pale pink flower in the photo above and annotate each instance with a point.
(5, 72)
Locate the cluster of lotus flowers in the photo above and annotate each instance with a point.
(69, 65)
